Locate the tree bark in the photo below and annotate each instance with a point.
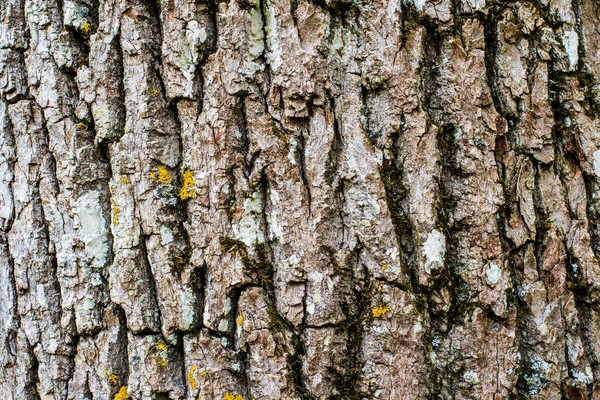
(306, 199)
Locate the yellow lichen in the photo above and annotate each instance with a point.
(113, 379)
(231, 396)
(115, 210)
(161, 361)
(191, 377)
(161, 346)
(81, 126)
(163, 175)
(186, 189)
(240, 319)
(124, 179)
(383, 267)
(380, 311)
(152, 175)
(86, 28)
(203, 373)
(122, 395)
(155, 92)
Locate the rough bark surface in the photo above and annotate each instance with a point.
(305, 199)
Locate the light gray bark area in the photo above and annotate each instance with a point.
(306, 199)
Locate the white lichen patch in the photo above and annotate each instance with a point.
(248, 230)
(40, 294)
(393, 254)
(434, 250)
(379, 330)
(570, 41)
(596, 162)
(274, 51)
(275, 231)
(493, 273)
(92, 228)
(166, 235)
(223, 325)
(190, 41)
(471, 377)
(293, 149)
(227, 306)
(188, 306)
(256, 43)
(419, 4)
(316, 279)
(76, 16)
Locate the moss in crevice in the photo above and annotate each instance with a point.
(181, 259)
(261, 270)
(356, 305)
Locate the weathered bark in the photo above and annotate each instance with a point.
(265, 199)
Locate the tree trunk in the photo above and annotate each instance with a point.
(267, 199)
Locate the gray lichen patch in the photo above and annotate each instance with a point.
(92, 227)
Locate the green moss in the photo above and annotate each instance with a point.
(181, 259)
(357, 308)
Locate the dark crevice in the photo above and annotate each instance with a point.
(334, 155)
(33, 375)
(198, 284)
(260, 269)
(119, 359)
(301, 160)
(152, 289)
(234, 297)
(243, 145)
(493, 75)
(567, 150)
(278, 322)
(355, 293)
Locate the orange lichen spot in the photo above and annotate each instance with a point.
(163, 175)
(231, 396)
(383, 267)
(115, 210)
(187, 190)
(191, 378)
(161, 361)
(86, 28)
(124, 179)
(161, 346)
(380, 311)
(240, 319)
(122, 395)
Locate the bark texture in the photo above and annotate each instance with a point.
(305, 199)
